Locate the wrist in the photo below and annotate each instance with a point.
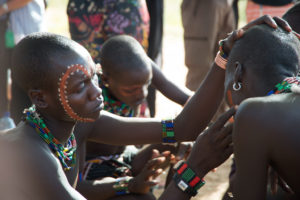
(121, 186)
(186, 179)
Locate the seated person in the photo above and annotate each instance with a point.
(266, 129)
(126, 75)
(60, 78)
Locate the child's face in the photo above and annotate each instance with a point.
(78, 90)
(131, 87)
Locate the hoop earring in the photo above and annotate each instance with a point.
(237, 86)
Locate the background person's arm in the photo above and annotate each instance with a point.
(169, 89)
(12, 5)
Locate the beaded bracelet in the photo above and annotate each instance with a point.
(168, 135)
(186, 179)
(121, 185)
(221, 58)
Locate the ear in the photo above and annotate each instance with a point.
(38, 98)
(104, 79)
(238, 72)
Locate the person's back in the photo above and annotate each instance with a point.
(265, 130)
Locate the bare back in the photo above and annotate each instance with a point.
(267, 132)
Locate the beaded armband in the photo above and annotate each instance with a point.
(186, 179)
(221, 57)
(121, 185)
(168, 135)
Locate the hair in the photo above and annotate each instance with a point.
(292, 17)
(35, 57)
(122, 53)
(269, 53)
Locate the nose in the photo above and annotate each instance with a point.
(142, 94)
(95, 91)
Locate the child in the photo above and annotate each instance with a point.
(126, 75)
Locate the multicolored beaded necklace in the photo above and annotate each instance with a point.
(63, 153)
(114, 106)
(285, 86)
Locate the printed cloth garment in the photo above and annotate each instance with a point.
(92, 22)
(255, 10)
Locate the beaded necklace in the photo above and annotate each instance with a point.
(285, 86)
(114, 106)
(63, 153)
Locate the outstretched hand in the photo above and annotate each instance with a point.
(143, 182)
(266, 19)
(213, 146)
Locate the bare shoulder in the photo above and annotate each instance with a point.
(29, 170)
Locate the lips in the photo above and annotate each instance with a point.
(99, 105)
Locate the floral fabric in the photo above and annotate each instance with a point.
(92, 22)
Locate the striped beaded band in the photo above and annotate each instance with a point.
(121, 185)
(221, 57)
(220, 61)
(186, 179)
(168, 135)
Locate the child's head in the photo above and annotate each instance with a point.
(292, 16)
(127, 70)
(58, 75)
(263, 57)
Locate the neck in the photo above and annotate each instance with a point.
(61, 130)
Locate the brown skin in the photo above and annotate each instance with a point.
(36, 155)
(272, 132)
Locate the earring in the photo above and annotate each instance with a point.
(237, 86)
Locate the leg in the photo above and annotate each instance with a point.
(200, 41)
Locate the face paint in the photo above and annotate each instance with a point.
(62, 91)
(229, 98)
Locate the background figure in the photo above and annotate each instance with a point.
(258, 8)
(3, 68)
(155, 8)
(22, 18)
(212, 19)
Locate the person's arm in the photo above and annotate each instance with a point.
(12, 5)
(168, 88)
(140, 184)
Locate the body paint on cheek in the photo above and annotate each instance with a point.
(62, 91)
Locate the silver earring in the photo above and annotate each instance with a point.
(237, 86)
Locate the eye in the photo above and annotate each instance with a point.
(80, 87)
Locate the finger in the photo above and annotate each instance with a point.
(282, 23)
(166, 153)
(154, 163)
(228, 151)
(224, 118)
(151, 183)
(296, 34)
(155, 153)
(227, 141)
(227, 130)
(266, 19)
(153, 174)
